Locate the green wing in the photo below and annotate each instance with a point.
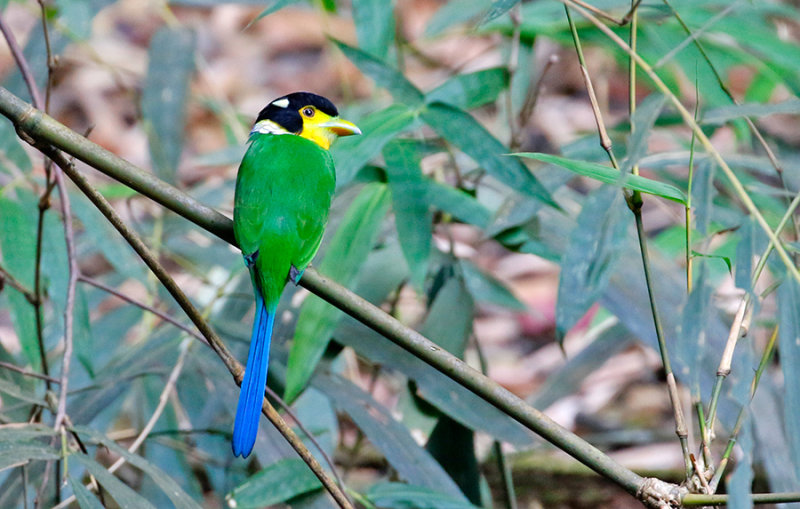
(283, 195)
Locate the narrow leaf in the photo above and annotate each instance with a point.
(588, 262)
(413, 216)
(449, 320)
(348, 249)
(384, 76)
(485, 288)
(391, 438)
(166, 89)
(16, 453)
(169, 486)
(499, 7)
(641, 125)
(85, 498)
(122, 494)
(609, 175)
(409, 496)
(463, 131)
(375, 28)
(789, 339)
(273, 484)
(467, 91)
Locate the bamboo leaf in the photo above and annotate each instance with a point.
(384, 76)
(119, 491)
(274, 484)
(177, 496)
(641, 125)
(609, 175)
(467, 91)
(401, 495)
(463, 131)
(485, 288)
(349, 247)
(375, 25)
(18, 453)
(412, 213)
(499, 7)
(788, 340)
(588, 262)
(391, 438)
(166, 89)
(85, 498)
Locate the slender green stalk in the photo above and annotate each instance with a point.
(694, 499)
(635, 202)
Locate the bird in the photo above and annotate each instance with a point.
(283, 194)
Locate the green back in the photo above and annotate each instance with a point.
(283, 194)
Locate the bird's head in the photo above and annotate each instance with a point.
(304, 114)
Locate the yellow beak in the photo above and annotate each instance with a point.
(340, 127)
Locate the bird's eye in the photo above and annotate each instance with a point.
(308, 112)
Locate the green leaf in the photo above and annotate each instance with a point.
(641, 125)
(23, 393)
(569, 378)
(412, 213)
(375, 28)
(20, 453)
(725, 259)
(486, 289)
(121, 493)
(594, 246)
(407, 496)
(458, 203)
(788, 334)
(449, 320)
(275, 6)
(390, 437)
(352, 153)
(273, 484)
(434, 387)
(24, 432)
(463, 131)
(18, 248)
(347, 250)
(454, 12)
(609, 175)
(177, 496)
(384, 76)
(453, 446)
(76, 17)
(11, 147)
(85, 498)
(467, 91)
(166, 89)
(499, 7)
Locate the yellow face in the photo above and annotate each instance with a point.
(322, 128)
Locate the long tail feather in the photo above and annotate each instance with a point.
(248, 411)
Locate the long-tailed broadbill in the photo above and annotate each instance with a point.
(283, 193)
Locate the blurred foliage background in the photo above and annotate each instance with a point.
(502, 260)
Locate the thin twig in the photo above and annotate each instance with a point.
(513, 65)
(6, 277)
(151, 309)
(12, 367)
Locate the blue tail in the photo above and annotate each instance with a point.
(248, 412)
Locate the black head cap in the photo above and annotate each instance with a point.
(285, 111)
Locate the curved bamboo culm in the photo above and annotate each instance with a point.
(32, 123)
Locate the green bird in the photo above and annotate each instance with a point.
(283, 193)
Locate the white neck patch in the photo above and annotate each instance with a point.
(268, 127)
